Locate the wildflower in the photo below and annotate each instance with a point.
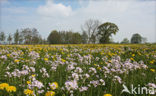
(107, 95)
(152, 61)
(16, 60)
(50, 93)
(153, 70)
(152, 85)
(28, 92)
(71, 85)
(46, 59)
(132, 59)
(28, 82)
(11, 89)
(54, 85)
(63, 60)
(8, 55)
(133, 55)
(3, 85)
(33, 75)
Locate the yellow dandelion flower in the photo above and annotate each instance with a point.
(11, 89)
(45, 59)
(33, 75)
(16, 60)
(28, 82)
(3, 86)
(54, 85)
(28, 92)
(107, 95)
(132, 59)
(63, 60)
(152, 61)
(8, 55)
(153, 70)
(99, 68)
(50, 93)
(133, 55)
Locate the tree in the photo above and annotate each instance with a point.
(16, 37)
(54, 37)
(76, 38)
(27, 35)
(106, 30)
(9, 39)
(136, 38)
(125, 41)
(30, 36)
(36, 38)
(2, 36)
(90, 27)
(84, 37)
(68, 37)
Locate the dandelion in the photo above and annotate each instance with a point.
(3, 86)
(50, 93)
(46, 59)
(33, 75)
(152, 61)
(16, 61)
(28, 92)
(11, 89)
(63, 60)
(8, 55)
(28, 82)
(54, 85)
(133, 55)
(107, 95)
(132, 59)
(153, 70)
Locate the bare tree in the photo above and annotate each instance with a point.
(90, 27)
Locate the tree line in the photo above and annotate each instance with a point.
(93, 32)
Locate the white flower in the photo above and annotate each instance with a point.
(152, 85)
(83, 88)
(71, 85)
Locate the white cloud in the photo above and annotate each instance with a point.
(4, 2)
(54, 10)
(131, 17)
(15, 10)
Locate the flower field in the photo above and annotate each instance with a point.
(76, 70)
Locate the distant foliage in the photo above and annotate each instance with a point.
(136, 39)
(106, 30)
(92, 32)
(64, 37)
(125, 41)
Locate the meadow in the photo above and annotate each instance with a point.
(76, 70)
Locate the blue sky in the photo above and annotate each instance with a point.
(131, 16)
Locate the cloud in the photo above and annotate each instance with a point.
(4, 2)
(131, 16)
(54, 10)
(15, 10)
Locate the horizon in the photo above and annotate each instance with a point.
(131, 16)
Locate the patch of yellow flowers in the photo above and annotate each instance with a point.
(53, 86)
(153, 70)
(28, 92)
(107, 95)
(8, 88)
(50, 93)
